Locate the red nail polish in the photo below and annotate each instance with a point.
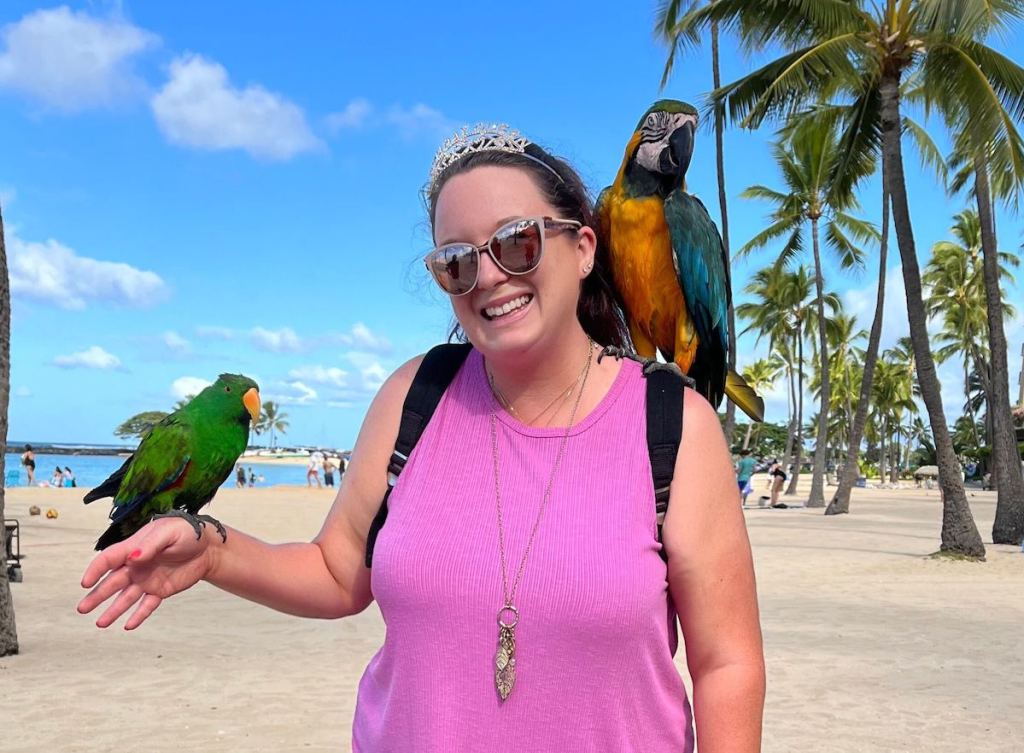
(135, 555)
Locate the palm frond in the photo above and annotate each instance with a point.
(926, 148)
(789, 81)
(848, 254)
(770, 233)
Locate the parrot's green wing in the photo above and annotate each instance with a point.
(159, 464)
(702, 270)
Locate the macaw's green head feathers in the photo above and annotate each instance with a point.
(231, 395)
(662, 146)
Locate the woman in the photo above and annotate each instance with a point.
(522, 533)
(28, 459)
(778, 478)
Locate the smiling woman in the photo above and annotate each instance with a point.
(530, 601)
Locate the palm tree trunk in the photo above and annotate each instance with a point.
(8, 632)
(970, 404)
(746, 439)
(894, 458)
(1008, 527)
(883, 449)
(799, 438)
(959, 532)
(791, 433)
(716, 77)
(840, 503)
(817, 496)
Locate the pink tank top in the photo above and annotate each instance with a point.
(596, 635)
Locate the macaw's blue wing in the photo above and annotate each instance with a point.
(702, 270)
(702, 267)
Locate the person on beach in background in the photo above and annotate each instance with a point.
(534, 464)
(744, 470)
(313, 471)
(28, 459)
(69, 478)
(777, 478)
(328, 472)
(57, 479)
(239, 476)
(252, 477)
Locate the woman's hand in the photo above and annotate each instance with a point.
(160, 560)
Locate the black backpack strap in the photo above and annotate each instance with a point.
(436, 372)
(664, 431)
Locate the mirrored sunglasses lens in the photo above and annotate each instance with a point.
(517, 246)
(455, 268)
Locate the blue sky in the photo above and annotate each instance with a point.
(192, 188)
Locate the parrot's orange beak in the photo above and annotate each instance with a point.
(251, 400)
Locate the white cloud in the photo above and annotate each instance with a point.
(354, 115)
(214, 332)
(861, 303)
(176, 343)
(184, 386)
(362, 338)
(7, 196)
(23, 392)
(408, 121)
(371, 372)
(91, 358)
(53, 273)
(419, 119)
(70, 60)
(323, 375)
(282, 340)
(198, 107)
(292, 393)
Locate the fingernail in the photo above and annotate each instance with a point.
(135, 555)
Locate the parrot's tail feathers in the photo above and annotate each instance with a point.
(743, 395)
(109, 487)
(111, 536)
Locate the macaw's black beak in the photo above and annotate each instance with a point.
(680, 148)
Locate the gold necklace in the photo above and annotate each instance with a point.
(505, 658)
(560, 398)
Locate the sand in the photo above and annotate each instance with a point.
(870, 645)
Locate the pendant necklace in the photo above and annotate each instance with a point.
(508, 615)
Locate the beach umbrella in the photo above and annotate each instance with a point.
(927, 470)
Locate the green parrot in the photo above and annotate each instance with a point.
(182, 461)
(668, 264)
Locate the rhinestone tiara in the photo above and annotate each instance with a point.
(483, 137)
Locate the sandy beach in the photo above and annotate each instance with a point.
(870, 644)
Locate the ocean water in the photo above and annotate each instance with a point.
(91, 470)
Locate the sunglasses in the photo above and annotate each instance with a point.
(515, 248)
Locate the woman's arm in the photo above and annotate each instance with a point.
(711, 578)
(323, 578)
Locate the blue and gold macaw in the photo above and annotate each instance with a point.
(667, 260)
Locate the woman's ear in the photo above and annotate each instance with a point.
(586, 248)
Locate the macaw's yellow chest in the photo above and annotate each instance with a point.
(644, 274)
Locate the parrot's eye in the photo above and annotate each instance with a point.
(227, 389)
(655, 126)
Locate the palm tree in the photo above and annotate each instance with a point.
(786, 313)
(272, 420)
(8, 632)
(761, 376)
(666, 27)
(862, 50)
(806, 158)
(996, 154)
(844, 353)
(955, 279)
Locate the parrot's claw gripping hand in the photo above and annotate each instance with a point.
(216, 524)
(198, 522)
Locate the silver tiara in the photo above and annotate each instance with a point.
(483, 137)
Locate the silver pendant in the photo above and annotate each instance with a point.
(505, 658)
